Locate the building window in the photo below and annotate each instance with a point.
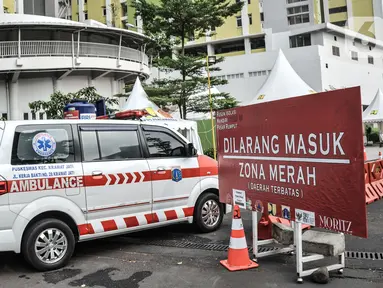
(338, 10)
(326, 66)
(239, 21)
(340, 23)
(104, 11)
(370, 60)
(85, 1)
(259, 73)
(335, 51)
(300, 40)
(250, 19)
(230, 47)
(298, 9)
(294, 1)
(257, 43)
(354, 55)
(299, 19)
(248, 1)
(335, 39)
(26, 116)
(4, 116)
(86, 15)
(33, 116)
(69, 17)
(262, 16)
(41, 116)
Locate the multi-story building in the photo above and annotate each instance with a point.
(115, 13)
(330, 43)
(42, 55)
(35, 7)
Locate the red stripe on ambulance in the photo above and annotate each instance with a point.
(132, 221)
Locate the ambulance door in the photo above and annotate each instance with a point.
(116, 177)
(44, 164)
(174, 176)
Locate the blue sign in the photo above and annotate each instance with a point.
(176, 175)
(44, 144)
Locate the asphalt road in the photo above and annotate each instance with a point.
(117, 263)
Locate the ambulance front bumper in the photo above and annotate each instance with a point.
(7, 241)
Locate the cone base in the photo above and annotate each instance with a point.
(237, 268)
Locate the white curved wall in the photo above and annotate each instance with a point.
(29, 90)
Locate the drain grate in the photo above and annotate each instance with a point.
(364, 255)
(223, 248)
(192, 245)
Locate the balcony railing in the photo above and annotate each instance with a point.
(10, 49)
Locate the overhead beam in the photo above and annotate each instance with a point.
(101, 74)
(63, 75)
(123, 77)
(15, 76)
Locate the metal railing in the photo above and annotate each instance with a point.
(10, 49)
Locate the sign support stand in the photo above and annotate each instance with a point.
(300, 259)
(296, 249)
(257, 243)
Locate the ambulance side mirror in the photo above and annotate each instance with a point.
(190, 150)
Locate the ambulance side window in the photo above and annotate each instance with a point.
(110, 145)
(42, 144)
(163, 144)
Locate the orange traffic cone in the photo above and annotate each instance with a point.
(365, 154)
(238, 258)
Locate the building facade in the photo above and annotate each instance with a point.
(35, 7)
(42, 55)
(330, 43)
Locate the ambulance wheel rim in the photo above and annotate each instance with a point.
(210, 213)
(51, 246)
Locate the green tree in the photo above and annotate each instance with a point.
(171, 23)
(54, 108)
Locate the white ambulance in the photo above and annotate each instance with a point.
(64, 181)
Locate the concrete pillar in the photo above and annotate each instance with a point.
(378, 14)
(90, 81)
(54, 84)
(247, 46)
(1, 7)
(108, 12)
(14, 101)
(210, 50)
(326, 12)
(81, 16)
(20, 6)
(245, 19)
(350, 15)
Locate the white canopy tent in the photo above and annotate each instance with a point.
(374, 113)
(139, 100)
(283, 82)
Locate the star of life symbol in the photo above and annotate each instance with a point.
(44, 144)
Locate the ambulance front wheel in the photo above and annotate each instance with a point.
(208, 213)
(48, 244)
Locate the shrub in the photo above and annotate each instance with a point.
(209, 152)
